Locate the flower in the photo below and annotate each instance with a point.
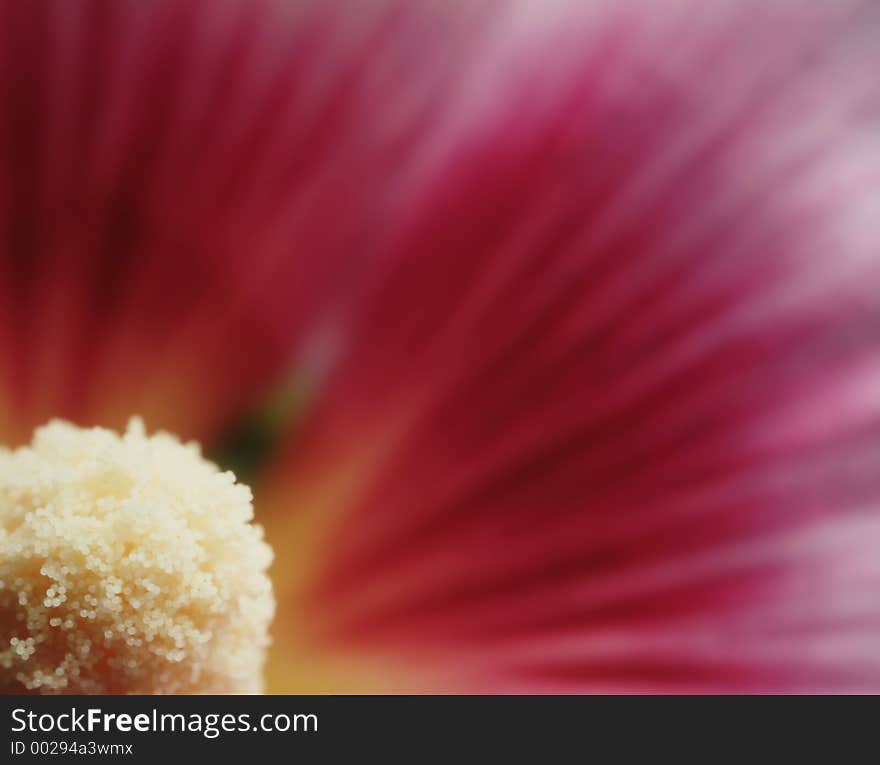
(578, 300)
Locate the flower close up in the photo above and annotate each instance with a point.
(565, 314)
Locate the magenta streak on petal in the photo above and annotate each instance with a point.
(629, 333)
(184, 180)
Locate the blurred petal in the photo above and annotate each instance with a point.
(182, 187)
(606, 415)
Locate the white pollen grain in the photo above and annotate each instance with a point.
(128, 564)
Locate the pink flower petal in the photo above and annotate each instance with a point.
(606, 415)
(182, 188)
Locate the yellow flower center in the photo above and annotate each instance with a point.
(128, 564)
